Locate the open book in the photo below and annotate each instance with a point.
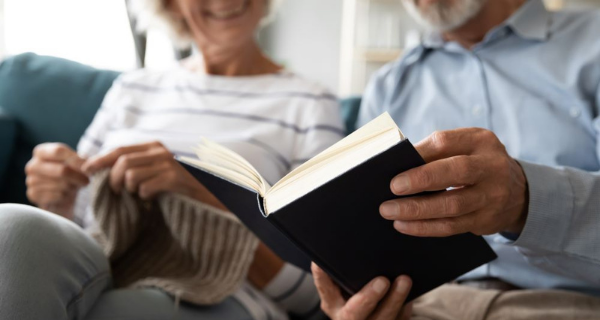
(327, 210)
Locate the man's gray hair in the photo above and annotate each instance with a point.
(151, 14)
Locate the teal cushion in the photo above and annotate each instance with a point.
(350, 108)
(51, 100)
(8, 130)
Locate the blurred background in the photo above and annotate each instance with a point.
(337, 42)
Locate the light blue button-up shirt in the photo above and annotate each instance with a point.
(534, 81)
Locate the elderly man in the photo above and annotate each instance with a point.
(512, 94)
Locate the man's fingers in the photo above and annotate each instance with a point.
(363, 304)
(444, 144)
(407, 312)
(109, 159)
(331, 298)
(436, 227)
(391, 306)
(448, 204)
(439, 175)
(56, 170)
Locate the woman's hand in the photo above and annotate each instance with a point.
(149, 169)
(376, 301)
(54, 176)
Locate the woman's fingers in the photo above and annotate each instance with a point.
(108, 160)
(133, 178)
(55, 170)
(391, 307)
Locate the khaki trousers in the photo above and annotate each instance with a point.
(456, 302)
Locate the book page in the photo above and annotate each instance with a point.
(368, 141)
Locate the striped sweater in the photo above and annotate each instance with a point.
(275, 121)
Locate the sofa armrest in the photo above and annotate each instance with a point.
(8, 133)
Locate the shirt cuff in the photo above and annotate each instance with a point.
(294, 290)
(550, 208)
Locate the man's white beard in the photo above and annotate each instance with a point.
(444, 15)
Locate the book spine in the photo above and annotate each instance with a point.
(314, 257)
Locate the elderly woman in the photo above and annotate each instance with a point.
(51, 268)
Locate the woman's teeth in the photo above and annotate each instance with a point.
(229, 13)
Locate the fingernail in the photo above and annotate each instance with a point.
(400, 185)
(379, 285)
(403, 284)
(389, 209)
(401, 226)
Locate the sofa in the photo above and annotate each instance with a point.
(48, 99)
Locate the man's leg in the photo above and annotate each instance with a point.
(49, 267)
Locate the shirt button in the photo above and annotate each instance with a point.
(575, 112)
(477, 110)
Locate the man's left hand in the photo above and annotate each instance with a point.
(488, 189)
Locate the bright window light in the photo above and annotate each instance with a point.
(93, 32)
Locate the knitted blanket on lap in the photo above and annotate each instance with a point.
(191, 250)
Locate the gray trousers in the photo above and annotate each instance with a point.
(51, 269)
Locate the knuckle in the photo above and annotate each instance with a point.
(464, 169)
(413, 208)
(422, 177)
(446, 227)
(130, 177)
(31, 195)
(30, 181)
(453, 206)
(440, 139)
(63, 170)
(30, 166)
(345, 314)
(326, 307)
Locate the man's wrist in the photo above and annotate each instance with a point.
(522, 208)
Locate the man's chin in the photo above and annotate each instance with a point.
(439, 19)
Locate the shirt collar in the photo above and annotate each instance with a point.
(531, 21)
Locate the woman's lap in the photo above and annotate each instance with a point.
(51, 269)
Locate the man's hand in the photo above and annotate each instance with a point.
(149, 169)
(53, 178)
(376, 301)
(489, 189)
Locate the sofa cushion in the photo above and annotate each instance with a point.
(7, 140)
(51, 100)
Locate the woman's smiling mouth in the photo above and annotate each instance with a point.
(229, 13)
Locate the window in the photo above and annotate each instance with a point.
(93, 32)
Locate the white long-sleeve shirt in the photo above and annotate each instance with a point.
(275, 121)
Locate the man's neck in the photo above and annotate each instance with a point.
(493, 13)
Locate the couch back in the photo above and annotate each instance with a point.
(43, 99)
(47, 99)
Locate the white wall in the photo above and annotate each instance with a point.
(305, 37)
(2, 36)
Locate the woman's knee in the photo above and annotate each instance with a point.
(34, 235)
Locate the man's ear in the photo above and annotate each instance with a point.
(173, 7)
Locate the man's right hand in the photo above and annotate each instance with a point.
(378, 300)
(53, 178)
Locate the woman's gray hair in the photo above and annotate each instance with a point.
(150, 14)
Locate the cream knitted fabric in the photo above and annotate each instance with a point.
(192, 250)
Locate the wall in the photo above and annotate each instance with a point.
(305, 37)
(2, 36)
